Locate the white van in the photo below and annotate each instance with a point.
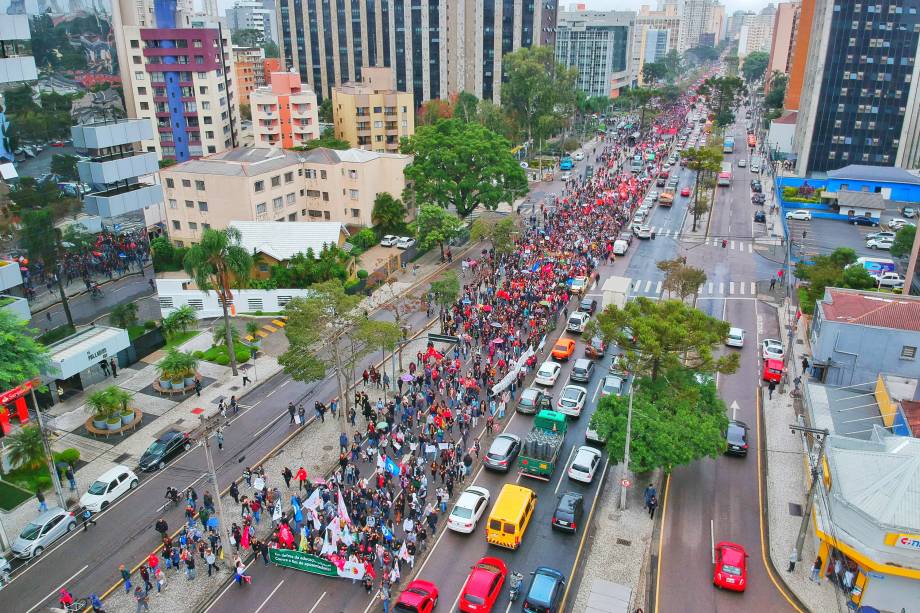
(620, 247)
(108, 487)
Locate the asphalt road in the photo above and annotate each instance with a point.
(88, 562)
(718, 499)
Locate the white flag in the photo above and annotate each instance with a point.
(312, 502)
(343, 510)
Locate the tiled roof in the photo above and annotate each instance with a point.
(788, 118)
(911, 410)
(860, 200)
(872, 309)
(322, 155)
(239, 162)
(283, 240)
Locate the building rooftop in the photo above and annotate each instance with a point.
(847, 411)
(911, 410)
(885, 174)
(789, 117)
(239, 162)
(871, 309)
(283, 240)
(860, 200)
(323, 155)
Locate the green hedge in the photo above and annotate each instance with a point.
(218, 354)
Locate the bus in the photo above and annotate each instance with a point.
(728, 145)
(874, 266)
(725, 175)
(565, 163)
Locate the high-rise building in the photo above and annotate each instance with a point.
(249, 68)
(599, 45)
(284, 113)
(781, 45)
(757, 32)
(16, 66)
(860, 102)
(651, 30)
(717, 23)
(734, 23)
(798, 56)
(696, 22)
(177, 71)
(373, 114)
(258, 15)
(436, 47)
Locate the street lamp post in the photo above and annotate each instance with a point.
(625, 473)
(55, 478)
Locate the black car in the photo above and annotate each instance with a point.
(736, 438)
(588, 305)
(502, 453)
(661, 182)
(167, 446)
(756, 186)
(567, 516)
(864, 220)
(758, 198)
(533, 401)
(760, 217)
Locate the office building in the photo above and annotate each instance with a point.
(372, 114)
(798, 54)
(860, 102)
(16, 63)
(696, 24)
(734, 23)
(284, 113)
(177, 72)
(258, 15)
(717, 23)
(756, 32)
(598, 44)
(653, 29)
(248, 66)
(781, 44)
(436, 47)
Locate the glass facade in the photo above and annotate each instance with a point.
(488, 47)
(417, 58)
(865, 85)
(399, 14)
(371, 13)
(597, 52)
(434, 49)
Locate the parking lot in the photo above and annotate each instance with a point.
(824, 235)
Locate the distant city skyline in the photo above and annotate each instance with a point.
(633, 5)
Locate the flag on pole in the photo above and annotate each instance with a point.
(343, 510)
(312, 502)
(392, 467)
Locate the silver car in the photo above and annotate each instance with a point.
(42, 531)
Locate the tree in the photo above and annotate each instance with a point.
(436, 225)
(676, 420)
(723, 92)
(180, 320)
(325, 111)
(466, 107)
(667, 334)
(42, 241)
(703, 161)
(124, 315)
(903, 241)
(26, 448)
(388, 215)
(271, 49)
(463, 165)
(432, 111)
(248, 37)
(755, 65)
(22, 358)
(777, 94)
(640, 97)
(703, 54)
(246, 112)
(65, 166)
(327, 140)
(500, 232)
(830, 271)
(445, 291)
(492, 117)
(672, 65)
(317, 329)
(377, 333)
(680, 278)
(214, 263)
(652, 72)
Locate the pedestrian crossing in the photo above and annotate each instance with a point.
(653, 288)
(744, 246)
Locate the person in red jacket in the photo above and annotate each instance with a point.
(301, 477)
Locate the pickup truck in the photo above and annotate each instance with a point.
(543, 445)
(666, 198)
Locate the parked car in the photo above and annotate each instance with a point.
(864, 220)
(502, 452)
(800, 214)
(578, 156)
(167, 446)
(572, 400)
(108, 487)
(772, 349)
(909, 212)
(890, 279)
(736, 438)
(758, 198)
(469, 508)
(582, 370)
(587, 305)
(626, 235)
(42, 532)
(405, 242)
(548, 373)
(389, 240)
(882, 234)
(735, 337)
(644, 232)
(595, 349)
(585, 464)
(756, 186)
(730, 568)
(612, 385)
(533, 401)
(563, 349)
(545, 591)
(742, 163)
(897, 223)
(420, 596)
(760, 217)
(577, 322)
(569, 511)
(879, 243)
(483, 585)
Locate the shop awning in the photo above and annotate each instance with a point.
(87, 347)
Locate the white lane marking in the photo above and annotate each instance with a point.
(224, 591)
(712, 540)
(648, 287)
(565, 469)
(721, 289)
(658, 288)
(267, 598)
(55, 590)
(751, 247)
(731, 287)
(709, 289)
(753, 288)
(741, 287)
(323, 595)
(733, 246)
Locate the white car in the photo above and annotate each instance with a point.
(742, 163)
(108, 487)
(388, 241)
(890, 279)
(644, 232)
(548, 373)
(565, 176)
(735, 337)
(577, 322)
(801, 215)
(405, 242)
(578, 156)
(653, 195)
(909, 212)
(772, 349)
(469, 508)
(879, 243)
(584, 464)
(897, 223)
(572, 400)
(639, 216)
(871, 235)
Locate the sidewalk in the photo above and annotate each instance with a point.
(786, 486)
(44, 298)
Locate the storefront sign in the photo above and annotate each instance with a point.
(86, 348)
(18, 391)
(908, 541)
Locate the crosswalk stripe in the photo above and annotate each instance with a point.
(699, 290)
(741, 288)
(710, 288)
(733, 245)
(658, 288)
(721, 288)
(753, 288)
(731, 287)
(750, 247)
(648, 287)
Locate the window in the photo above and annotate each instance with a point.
(276, 181)
(908, 352)
(322, 174)
(203, 90)
(192, 225)
(135, 44)
(170, 183)
(261, 208)
(326, 196)
(205, 105)
(292, 217)
(202, 206)
(291, 197)
(186, 183)
(353, 194)
(176, 225)
(289, 177)
(145, 106)
(172, 203)
(278, 202)
(260, 186)
(356, 212)
(189, 204)
(199, 185)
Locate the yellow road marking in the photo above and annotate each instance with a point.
(279, 323)
(664, 516)
(262, 334)
(269, 328)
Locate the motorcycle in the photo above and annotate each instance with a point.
(515, 582)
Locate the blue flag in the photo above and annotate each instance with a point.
(391, 467)
(386, 533)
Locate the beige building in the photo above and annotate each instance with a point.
(655, 34)
(781, 44)
(757, 32)
(372, 114)
(284, 113)
(273, 184)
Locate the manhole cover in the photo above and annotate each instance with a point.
(795, 509)
(327, 447)
(233, 388)
(624, 542)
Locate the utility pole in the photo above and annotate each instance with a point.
(821, 435)
(206, 428)
(55, 478)
(625, 473)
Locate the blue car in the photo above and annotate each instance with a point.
(545, 593)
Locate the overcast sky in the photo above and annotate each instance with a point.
(606, 5)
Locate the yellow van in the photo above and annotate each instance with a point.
(510, 516)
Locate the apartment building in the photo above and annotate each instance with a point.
(599, 45)
(258, 15)
(372, 114)
(248, 65)
(860, 102)
(284, 113)
(734, 23)
(177, 71)
(696, 24)
(781, 44)
(655, 33)
(16, 63)
(798, 55)
(757, 32)
(436, 47)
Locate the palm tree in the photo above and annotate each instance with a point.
(213, 263)
(181, 319)
(26, 448)
(124, 315)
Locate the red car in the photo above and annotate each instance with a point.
(418, 597)
(730, 572)
(685, 192)
(483, 586)
(57, 143)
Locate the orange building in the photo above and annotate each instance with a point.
(799, 55)
(247, 63)
(270, 65)
(284, 113)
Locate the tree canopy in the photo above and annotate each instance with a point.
(22, 358)
(463, 165)
(755, 65)
(903, 241)
(500, 232)
(667, 334)
(830, 271)
(723, 92)
(388, 215)
(436, 226)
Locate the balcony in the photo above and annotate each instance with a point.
(9, 275)
(111, 134)
(123, 199)
(101, 171)
(272, 128)
(17, 306)
(17, 68)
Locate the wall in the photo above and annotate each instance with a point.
(859, 353)
(892, 191)
(207, 305)
(780, 136)
(890, 593)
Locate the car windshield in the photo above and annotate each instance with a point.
(580, 468)
(731, 570)
(462, 512)
(97, 488)
(157, 448)
(561, 347)
(473, 599)
(30, 532)
(571, 394)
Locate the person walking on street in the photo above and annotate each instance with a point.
(301, 478)
(162, 527)
(87, 518)
(140, 596)
(235, 492)
(650, 492)
(145, 577)
(220, 439)
(245, 380)
(292, 410)
(71, 478)
(114, 366)
(770, 389)
(652, 505)
(198, 386)
(287, 475)
(816, 569)
(126, 577)
(772, 283)
(384, 594)
(42, 505)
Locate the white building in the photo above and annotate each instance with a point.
(256, 15)
(756, 32)
(599, 44)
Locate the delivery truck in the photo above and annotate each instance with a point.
(542, 446)
(615, 291)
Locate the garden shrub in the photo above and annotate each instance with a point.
(150, 324)
(362, 274)
(68, 456)
(222, 360)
